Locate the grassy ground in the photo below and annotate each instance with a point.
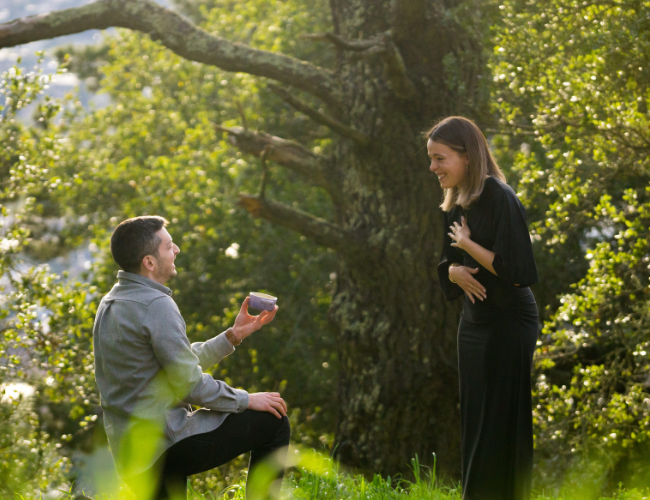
(311, 487)
(306, 485)
(316, 478)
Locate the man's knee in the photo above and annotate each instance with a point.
(285, 429)
(282, 433)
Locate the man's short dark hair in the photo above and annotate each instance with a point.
(134, 239)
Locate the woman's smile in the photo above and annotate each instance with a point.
(448, 165)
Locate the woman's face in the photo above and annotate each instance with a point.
(447, 164)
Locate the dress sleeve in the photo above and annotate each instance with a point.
(513, 262)
(450, 255)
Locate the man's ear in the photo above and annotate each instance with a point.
(149, 263)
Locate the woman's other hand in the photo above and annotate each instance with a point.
(460, 233)
(463, 277)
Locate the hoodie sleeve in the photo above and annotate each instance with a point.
(166, 330)
(212, 351)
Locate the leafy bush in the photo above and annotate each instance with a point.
(43, 325)
(572, 83)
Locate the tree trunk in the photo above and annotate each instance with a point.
(398, 393)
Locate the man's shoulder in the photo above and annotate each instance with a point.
(134, 293)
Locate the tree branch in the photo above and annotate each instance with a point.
(265, 170)
(177, 34)
(321, 231)
(315, 115)
(342, 43)
(288, 154)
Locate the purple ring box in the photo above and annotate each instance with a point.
(262, 301)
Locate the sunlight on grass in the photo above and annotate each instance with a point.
(313, 476)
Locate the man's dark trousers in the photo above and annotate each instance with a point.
(261, 433)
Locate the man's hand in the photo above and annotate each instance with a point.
(268, 401)
(245, 324)
(462, 276)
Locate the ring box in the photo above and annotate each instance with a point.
(262, 301)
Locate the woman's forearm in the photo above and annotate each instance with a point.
(481, 255)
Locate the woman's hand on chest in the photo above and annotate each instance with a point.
(460, 234)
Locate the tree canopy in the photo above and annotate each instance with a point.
(332, 151)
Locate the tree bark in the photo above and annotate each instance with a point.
(398, 390)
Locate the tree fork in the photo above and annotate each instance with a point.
(321, 231)
(395, 70)
(289, 154)
(338, 127)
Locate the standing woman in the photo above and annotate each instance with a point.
(488, 258)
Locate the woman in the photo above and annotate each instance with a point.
(488, 258)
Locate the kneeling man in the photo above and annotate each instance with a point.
(149, 376)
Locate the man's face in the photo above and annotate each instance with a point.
(164, 268)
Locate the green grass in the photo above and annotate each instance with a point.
(315, 477)
(305, 485)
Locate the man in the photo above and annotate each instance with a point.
(148, 376)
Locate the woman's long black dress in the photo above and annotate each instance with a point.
(496, 340)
